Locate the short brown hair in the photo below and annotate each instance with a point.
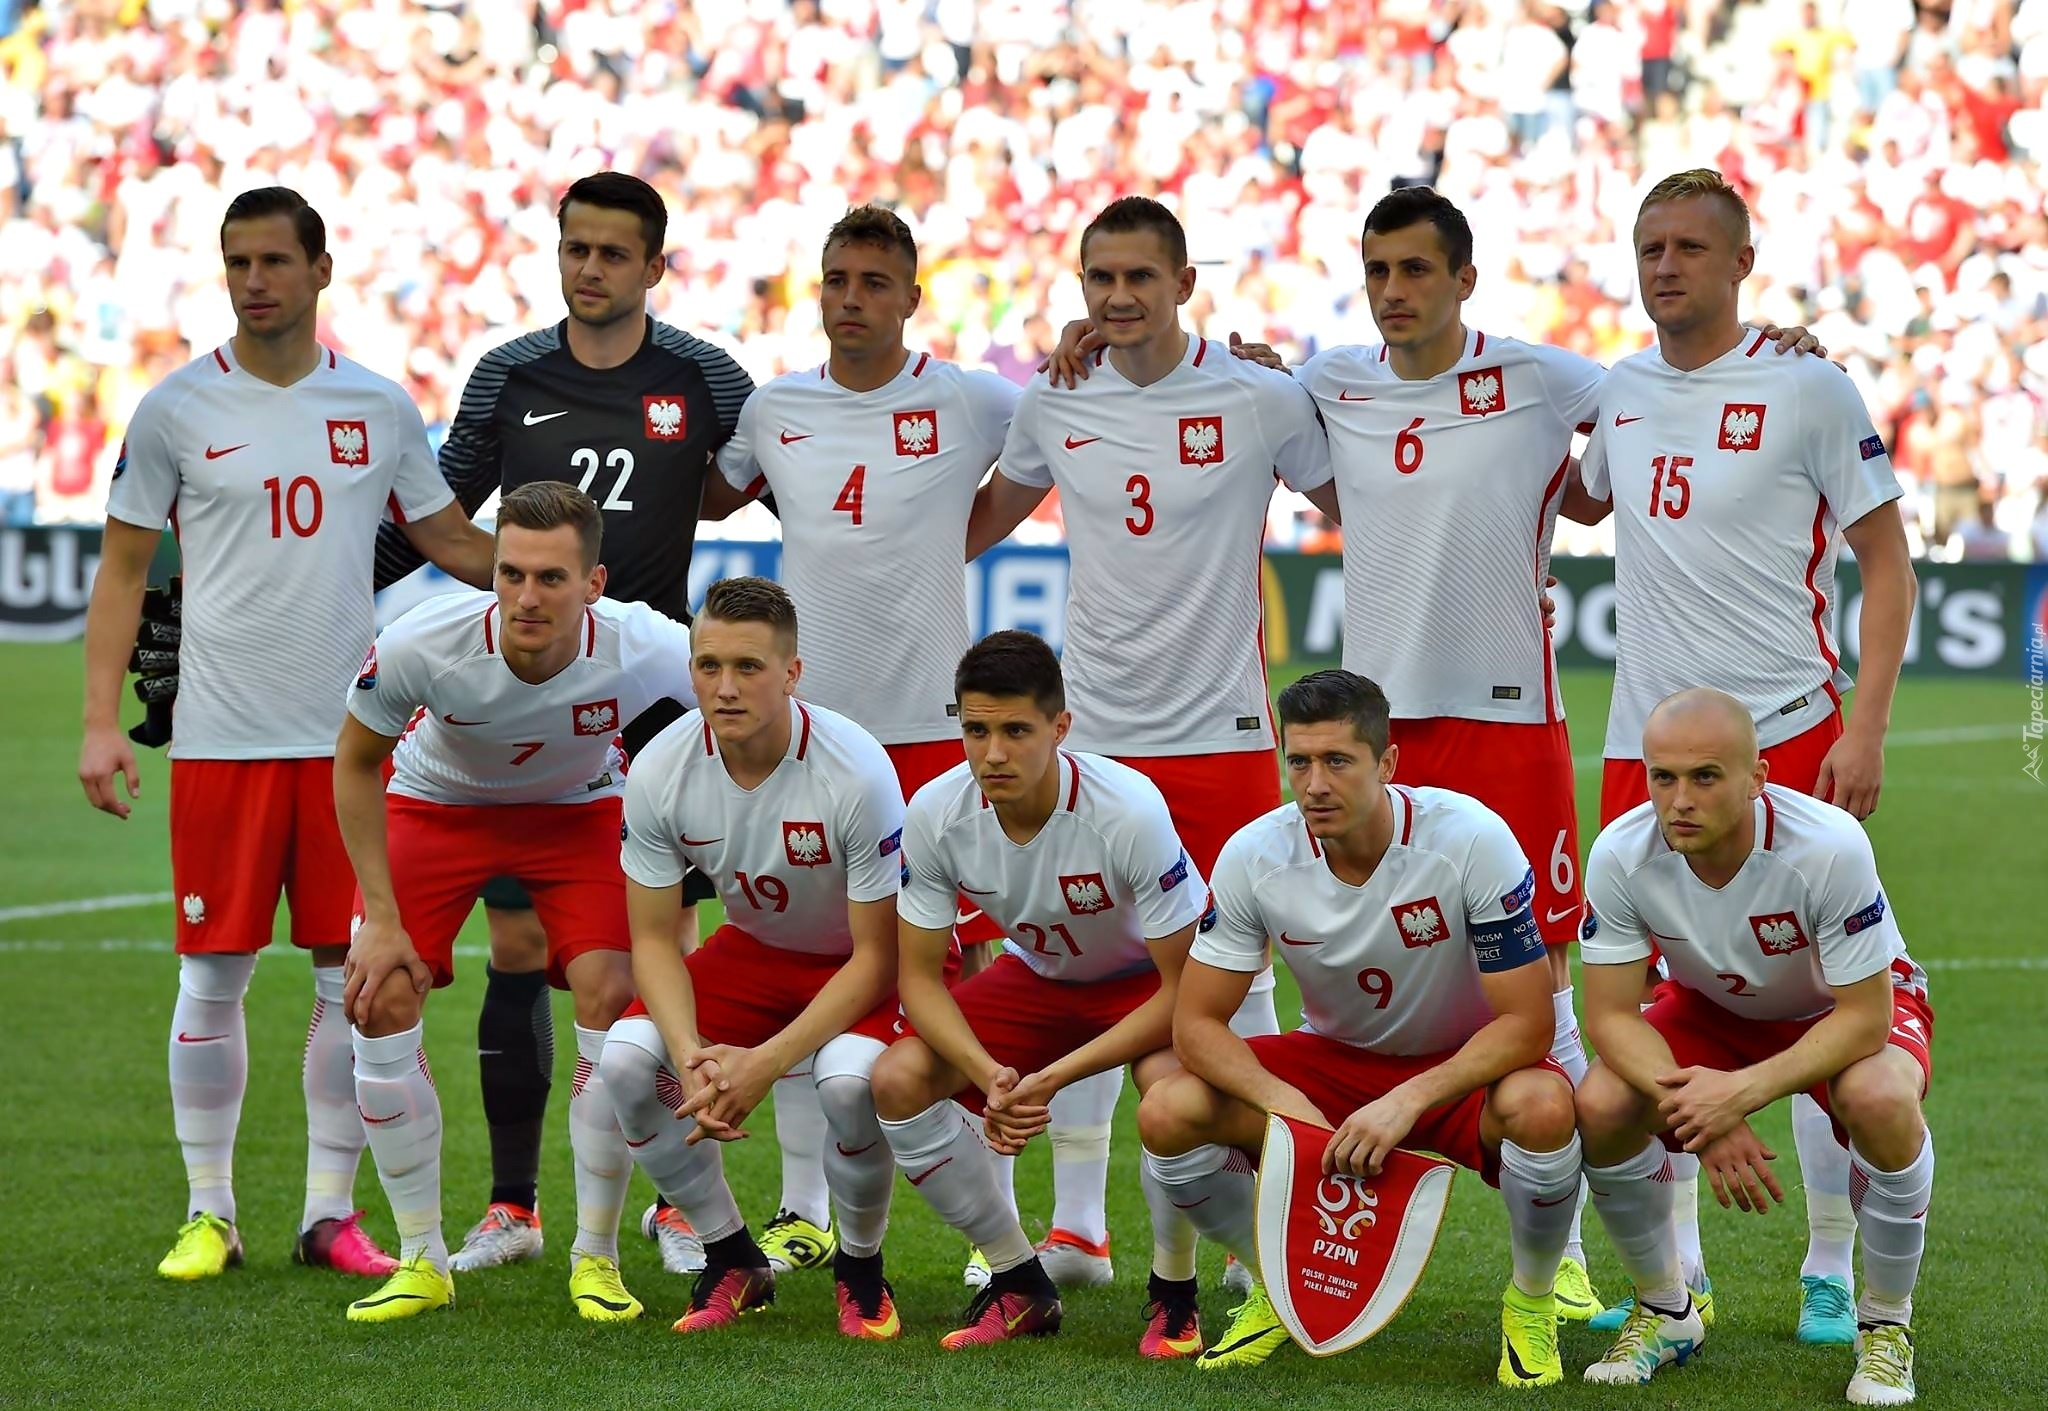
(874, 225)
(280, 201)
(1013, 663)
(753, 600)
(1698, 182)
(1129, 213)
(1329, 696)
(550, 504)
(620, 191)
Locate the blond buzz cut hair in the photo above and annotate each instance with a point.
(1702, 182)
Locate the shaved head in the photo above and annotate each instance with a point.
(1700, 761)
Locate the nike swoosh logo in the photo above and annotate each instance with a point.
(699, 842)
(379, 1121)
(1546, 1204)
(453, 721)
(1551, 918)
(388, 1298)
(1516, 1362)
(980, 892)
(1014, 1323)
(185, 1038)
(1620, 420)
(642, 1142)
(532, 420)
(1344, 396)
(1287, 940)
(921, 1179)
(1074, 445)
(602, 1302)
(1191, 1204)
(787, 438)
(857, 1150)
(213, 455)
(961, 918)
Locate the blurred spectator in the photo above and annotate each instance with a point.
(1979, 539)
(1891, 152)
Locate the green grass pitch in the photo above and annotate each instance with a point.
(91, 1189)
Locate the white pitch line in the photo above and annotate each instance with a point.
(122, 902)
(1904, 739)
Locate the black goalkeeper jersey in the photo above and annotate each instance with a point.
(636, 438)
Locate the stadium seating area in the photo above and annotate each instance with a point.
(1892, 153)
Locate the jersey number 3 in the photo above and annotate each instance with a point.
(619, 462)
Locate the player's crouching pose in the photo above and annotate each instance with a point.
(795, 813)
(504, 713)
(1788, 974)
(1404, 915)
(1076, 857)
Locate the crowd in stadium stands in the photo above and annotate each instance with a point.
(1892, 152)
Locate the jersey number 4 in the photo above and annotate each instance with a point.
(851, 493)
(619, 462)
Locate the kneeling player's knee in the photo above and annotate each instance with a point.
(602, 996)
(628, 1073)
(1170, 1113)
(901, 1081)
(1877, 1096)
(1606, 1107)
(848, 1102)
(1537, 1109)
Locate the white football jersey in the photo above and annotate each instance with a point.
(787, 855)
(1105, 875)
(1392, 966)
(1731, 485)
(1450, 488)
(1164, 490)
(473, 733)
(873, 490)
(1805, 913)
(275, 495)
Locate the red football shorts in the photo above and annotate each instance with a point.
(565, 855)
(1211, 796)
(242, 832)
(748, 991)
(1025, 1021)
(916, 766)
(1795, 764)
(1702, 1033)
(1524, 774)
(1340, 1078)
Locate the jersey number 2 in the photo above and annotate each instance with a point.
(619, 462)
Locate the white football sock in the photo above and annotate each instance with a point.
(335, 1136)
(1568, 1050)
(1541, 1189)
(402, 1113)
(859, 1168)
(1685, 1217)
(603, 1165)
(800, 1132)
(1081, 1114)
(1824, 1172)
(1173, 1235)
(945, 1159)
(645, 1093)
(209, 1074)
(1634, 1201)
(1891, 1214)
(1217, 1189)
(1006, 1182)
(1256, 1016)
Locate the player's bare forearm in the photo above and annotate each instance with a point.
(451, 541)
(929, 1005)
(720, 500)
(999, 507)
(854, 989)
(1325, 498)
(112, 615)
(1856, 1028)
(1890, 588)
(359, 755)
(1146, 1029)
(1210, 1049)
(1578, 504)
(1502, 1045)
(1626, 1043)
(659, 976)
